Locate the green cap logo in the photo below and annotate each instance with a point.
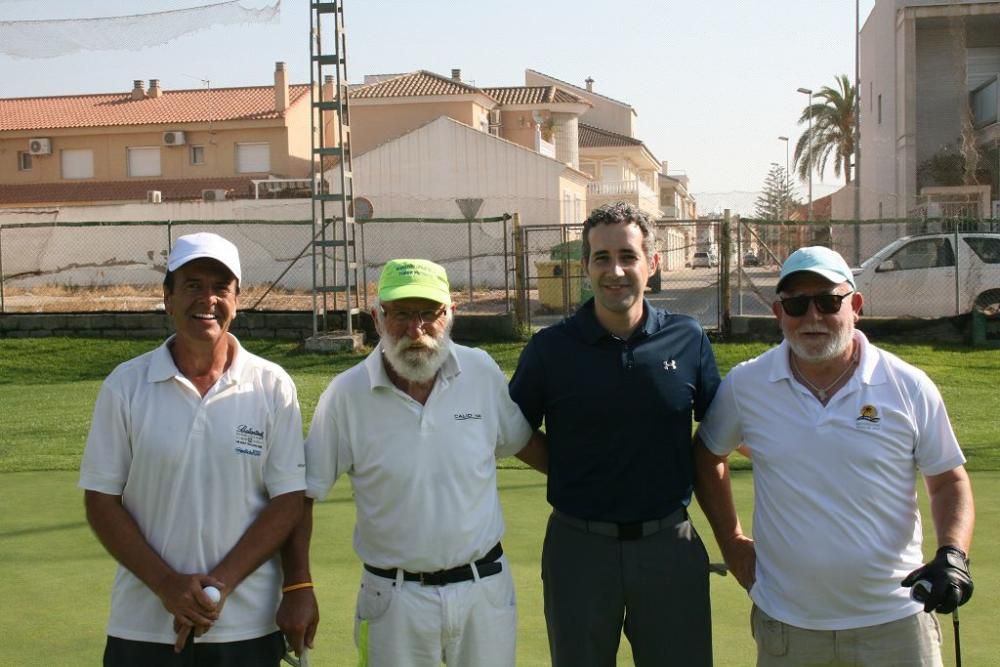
(414, 279)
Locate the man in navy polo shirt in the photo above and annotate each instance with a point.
(616, 385)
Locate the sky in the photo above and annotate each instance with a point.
(713, 82)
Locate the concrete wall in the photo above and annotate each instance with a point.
(374, 123)
(247, 325)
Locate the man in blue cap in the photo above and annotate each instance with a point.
(837, 429)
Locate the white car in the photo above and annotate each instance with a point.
(924, 276)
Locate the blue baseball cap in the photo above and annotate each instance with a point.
(820, 260)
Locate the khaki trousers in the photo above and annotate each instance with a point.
(914, 641)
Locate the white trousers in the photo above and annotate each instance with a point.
(405, 624)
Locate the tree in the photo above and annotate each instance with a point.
(832, 131)
(776, 199)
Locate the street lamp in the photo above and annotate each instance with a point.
(788, 185)
(809, 110)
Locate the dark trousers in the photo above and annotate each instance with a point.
(656, 587)
(261, 652)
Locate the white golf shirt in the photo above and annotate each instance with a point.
(835, 521)
(424, 476)
(194, 472)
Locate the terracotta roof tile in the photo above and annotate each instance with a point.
(533, 95)
(415, 84)
(111, 191)
(594, 137)
(119, 109)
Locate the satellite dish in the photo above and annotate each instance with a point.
(537, 117)
(362, 209)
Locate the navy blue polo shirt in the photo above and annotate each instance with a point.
(617, 412)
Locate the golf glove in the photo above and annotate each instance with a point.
(949, 580)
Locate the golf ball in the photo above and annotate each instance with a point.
(213, 594)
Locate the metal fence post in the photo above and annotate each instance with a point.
(506, 264)
(725, 293)
(520, 284)
(2, 305)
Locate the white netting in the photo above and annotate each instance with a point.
(59, 37)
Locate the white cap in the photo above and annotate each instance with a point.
(204, 245)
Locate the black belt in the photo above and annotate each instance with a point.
(623, 531)
(486, 566)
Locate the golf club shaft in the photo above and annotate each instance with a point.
(958, 638)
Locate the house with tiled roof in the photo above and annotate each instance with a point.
(622, 167)
(153, 143)
(541, 118)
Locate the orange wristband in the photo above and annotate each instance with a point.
(297, 587)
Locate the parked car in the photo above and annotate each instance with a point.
(750, 259)
(701, 260)
(924, 276)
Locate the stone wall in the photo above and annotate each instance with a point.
(289, 325)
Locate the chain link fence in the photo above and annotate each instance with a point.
(710, 269)
(119, 266)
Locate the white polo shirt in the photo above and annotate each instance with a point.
(195, 472)
(424, 476)
(835, 521)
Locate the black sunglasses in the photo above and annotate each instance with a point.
(827, 304)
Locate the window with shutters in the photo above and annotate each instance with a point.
(144, 162)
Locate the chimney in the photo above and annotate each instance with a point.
(590, 84)
(138, 90)
(663, 167)
(456, 74)
(280, 86)
(154, 88)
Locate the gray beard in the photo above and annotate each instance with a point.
(833, 348)
(418, 365)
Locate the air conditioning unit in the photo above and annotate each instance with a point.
(213, 195)
(154, 196)
(175, 138)
(40, 146)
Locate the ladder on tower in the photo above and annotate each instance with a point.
(334, 250)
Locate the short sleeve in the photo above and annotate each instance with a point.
(937, 448)
(721, 429)
(708, 379)
(527, 386)
(107, 456)
(327, 453)
(285, 468)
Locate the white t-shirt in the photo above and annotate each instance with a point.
(195, 472)
(424, 476)
(835, 519)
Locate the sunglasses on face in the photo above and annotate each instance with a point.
(827, 304)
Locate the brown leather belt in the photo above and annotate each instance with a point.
(486, 566)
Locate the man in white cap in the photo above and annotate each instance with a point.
(837, 429)
(194, 475)
(418, 427)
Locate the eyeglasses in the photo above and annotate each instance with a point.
(404, 317)
(827, 304)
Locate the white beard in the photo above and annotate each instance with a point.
(835, 346)
(421, 363)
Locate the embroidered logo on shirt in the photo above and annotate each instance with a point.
(249, 440)
(868, 420)
(670, 365)
(467, 415)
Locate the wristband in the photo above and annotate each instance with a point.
(297, 587)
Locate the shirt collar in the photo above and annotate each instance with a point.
(162, 366)
(377, 376)
(593, 331)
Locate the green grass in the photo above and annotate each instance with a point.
(57, 578)
(48, 387)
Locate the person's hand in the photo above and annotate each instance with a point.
(741, 558)
(298, 616)
(948, 578)
(193, 610)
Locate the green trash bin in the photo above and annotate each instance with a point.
(985, 329)
(568, 255)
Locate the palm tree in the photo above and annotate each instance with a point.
(832, 131)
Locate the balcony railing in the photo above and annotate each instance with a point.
(612, 188)
(985, 102)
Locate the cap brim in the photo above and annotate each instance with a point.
(415, 292)
(831, 276)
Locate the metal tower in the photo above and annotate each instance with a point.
(334, 253)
